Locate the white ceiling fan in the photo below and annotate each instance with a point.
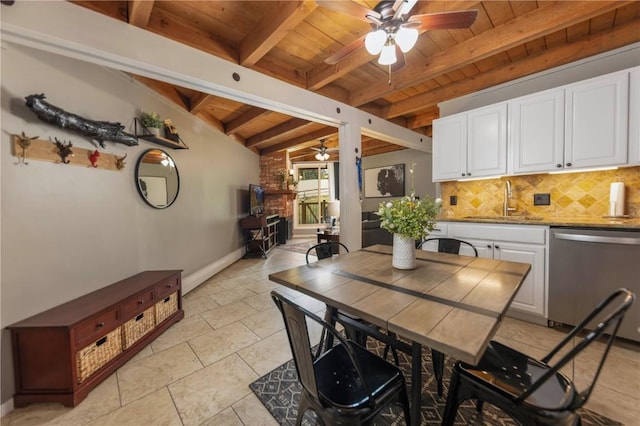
(393, 31)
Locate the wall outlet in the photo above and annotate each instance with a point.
(541, 199)
(453, 200)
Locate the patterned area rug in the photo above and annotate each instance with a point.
(301, 247)
(279, 391)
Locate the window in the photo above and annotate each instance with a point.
(315, 190)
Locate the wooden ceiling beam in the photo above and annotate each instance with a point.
(550, 17)
(277, 26)
(564, 54)
(165, 89)
(199, 103)
(243, 120)
(423, 119)
(279, 130)
(139, 12)
(309, 139)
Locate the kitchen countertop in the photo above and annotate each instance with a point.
(586, 222)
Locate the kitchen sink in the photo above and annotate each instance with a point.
(507, 218)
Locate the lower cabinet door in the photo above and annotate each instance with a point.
(531, 296)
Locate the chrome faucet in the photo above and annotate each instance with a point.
(507, 196)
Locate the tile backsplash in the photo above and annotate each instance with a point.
(572, 194)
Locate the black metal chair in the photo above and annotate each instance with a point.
(531, 391)
(324, 251)
(445, 245)
(344, 384)
(449, 245)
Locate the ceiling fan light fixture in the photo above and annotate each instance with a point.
(406, 38)
(374, 41)
(388, 54)
(322, 156)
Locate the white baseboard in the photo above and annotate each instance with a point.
(196, 278)
(6, 407)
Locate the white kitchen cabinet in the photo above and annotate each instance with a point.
(527, 244)
(536, 132)
(634, 117)
(471, 144)
(596, 121)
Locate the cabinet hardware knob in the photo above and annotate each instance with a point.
(489, 246)
(464, 174)
(569, 164)
(140, 302)
(468, 174)
(498, 247)
(559, 165)
(100, 325)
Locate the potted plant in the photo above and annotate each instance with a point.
(152, 121)
(408, 219)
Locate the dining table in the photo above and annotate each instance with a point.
(452, 304)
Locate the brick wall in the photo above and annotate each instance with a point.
(276, 201)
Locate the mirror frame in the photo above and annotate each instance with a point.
(137, 179)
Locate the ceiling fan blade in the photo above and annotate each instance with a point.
(350, 8)
(400, 61)
(346, 51)
(445, 20)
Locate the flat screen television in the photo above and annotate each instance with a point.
(256, 200)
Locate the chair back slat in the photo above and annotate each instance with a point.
(326, 250)
(449, 245)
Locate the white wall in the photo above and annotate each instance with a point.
(69, 230)
(423, 173)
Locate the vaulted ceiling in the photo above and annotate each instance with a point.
(290, 41)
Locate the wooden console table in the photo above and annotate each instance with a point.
(61, 354)
(261, 234)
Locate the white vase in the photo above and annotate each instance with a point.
(155, 131)
(404, 252)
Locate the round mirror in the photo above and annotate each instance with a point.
(157, 178)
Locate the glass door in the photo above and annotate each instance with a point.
(313, 195)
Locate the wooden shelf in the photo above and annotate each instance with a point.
(291, 194)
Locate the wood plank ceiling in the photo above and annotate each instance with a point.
(290, 40)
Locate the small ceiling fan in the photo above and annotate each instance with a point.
(323, 151)
(394, 33)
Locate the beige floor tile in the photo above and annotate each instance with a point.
(232, 295)
(180, 332)
(222, 342)
(260, 301)
(265, 323)
(262, 286)
(155, 409)
(224, 315)
(195, 304)
(252, 412)
(143, 377)
(268, 353)
(207, 392)
(145, 352)
(226, 418)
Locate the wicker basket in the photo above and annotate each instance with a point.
(137, 327)
(93, 356)
(166, 307)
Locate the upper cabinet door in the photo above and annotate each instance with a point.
(487, 141)
(536, 132)
(596, 119)
(450, 147)
(634, 117)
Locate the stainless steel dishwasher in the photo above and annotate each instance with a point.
(585, 266)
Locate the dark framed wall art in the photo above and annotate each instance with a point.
(387, 181)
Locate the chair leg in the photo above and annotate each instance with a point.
(302, 408)
(479, 405)
(404, 400)
(437, 359)
(451, 408)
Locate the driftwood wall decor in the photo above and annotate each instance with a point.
(100, 131)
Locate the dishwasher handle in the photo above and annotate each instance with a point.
(597, 239)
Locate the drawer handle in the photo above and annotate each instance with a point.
(100, 325)
(167, 299)
(140, 316)
(101, 341)
(140, 302)
(169, 286)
